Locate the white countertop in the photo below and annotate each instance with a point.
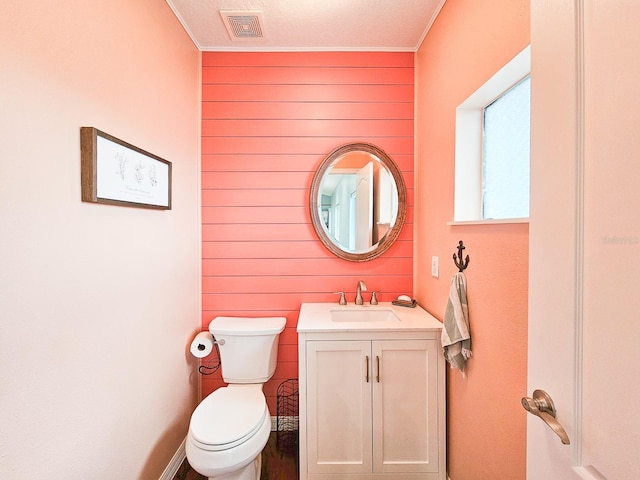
(317, 317)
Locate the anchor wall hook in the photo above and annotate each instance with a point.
(458, 259)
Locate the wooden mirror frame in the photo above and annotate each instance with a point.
(314, 194)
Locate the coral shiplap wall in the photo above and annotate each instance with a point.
(268, 121)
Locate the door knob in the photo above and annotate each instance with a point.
(542, 406)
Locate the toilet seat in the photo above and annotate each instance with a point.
(228, 417)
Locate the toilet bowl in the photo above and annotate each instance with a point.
(231, 426)
(227, 433)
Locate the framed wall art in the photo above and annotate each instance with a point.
(117, 173)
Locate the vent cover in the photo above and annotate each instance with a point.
(243, 25)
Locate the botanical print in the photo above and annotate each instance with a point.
(128, 175)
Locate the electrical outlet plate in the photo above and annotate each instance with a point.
(434, 266)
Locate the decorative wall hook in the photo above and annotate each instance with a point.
(458, 259)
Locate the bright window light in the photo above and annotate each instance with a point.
(493, 148)
(505, 154)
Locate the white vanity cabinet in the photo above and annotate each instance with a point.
(371, 401)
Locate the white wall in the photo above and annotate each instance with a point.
(97, 303)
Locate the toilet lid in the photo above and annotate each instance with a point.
(228, 416)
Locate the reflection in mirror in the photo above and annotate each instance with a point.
(358, 202)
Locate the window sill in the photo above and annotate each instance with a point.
(488, 222)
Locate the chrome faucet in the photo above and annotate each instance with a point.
(362, 287)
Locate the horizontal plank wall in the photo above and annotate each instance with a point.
(269, 119)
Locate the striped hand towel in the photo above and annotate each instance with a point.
(456, 338)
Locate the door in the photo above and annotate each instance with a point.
(405, 406)
(584, 308)
(364, 207)
(339, 406)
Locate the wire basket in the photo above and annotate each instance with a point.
(287, 416)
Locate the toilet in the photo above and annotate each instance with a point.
(230, 427)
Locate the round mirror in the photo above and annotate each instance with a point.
(358, 202)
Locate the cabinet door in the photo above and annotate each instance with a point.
(339, 406)
(405, 406)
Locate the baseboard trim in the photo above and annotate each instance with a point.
(175, 463)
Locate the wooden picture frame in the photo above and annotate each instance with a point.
(115, 172)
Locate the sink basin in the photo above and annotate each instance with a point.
(351, 319)
(378, 315)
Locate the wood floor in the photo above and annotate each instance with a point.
(279, 460)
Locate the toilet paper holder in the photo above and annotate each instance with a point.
(202, 346)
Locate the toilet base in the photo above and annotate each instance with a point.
(249, 472)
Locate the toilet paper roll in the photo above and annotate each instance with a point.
(202, 345)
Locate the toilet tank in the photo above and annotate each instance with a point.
(248, 347)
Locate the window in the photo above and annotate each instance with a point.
(492, 147)
(505, 154)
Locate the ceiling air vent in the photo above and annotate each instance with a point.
(243, 25)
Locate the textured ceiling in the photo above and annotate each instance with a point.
(299, 25)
